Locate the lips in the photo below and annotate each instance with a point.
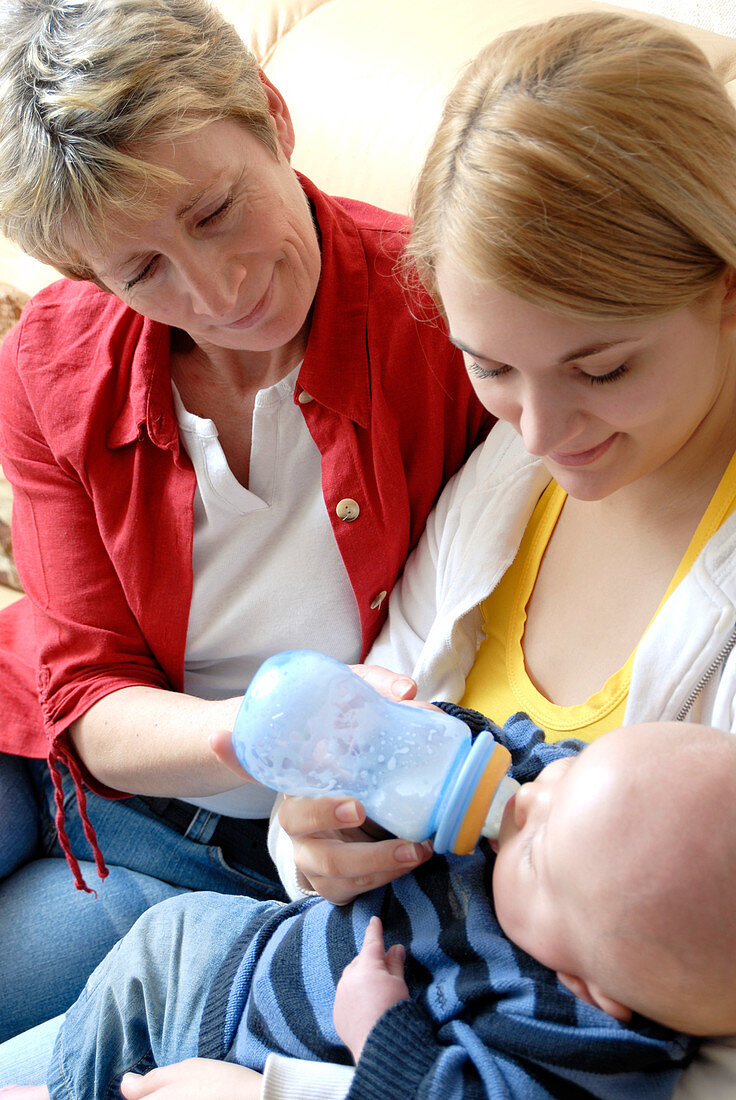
(583, 458)
(255, 314)
(508, 816)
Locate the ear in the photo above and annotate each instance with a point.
(592, 995)
(280, 114)
(728, 305)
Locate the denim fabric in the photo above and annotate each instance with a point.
(51, 935)
(19, 814)
(146, 1018)
(25, 1059)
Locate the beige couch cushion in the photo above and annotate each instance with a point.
(366, 79)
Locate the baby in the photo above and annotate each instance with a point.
(607, 906)
(617, 870)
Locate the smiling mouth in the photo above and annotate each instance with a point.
(258, 311)
(583, 458)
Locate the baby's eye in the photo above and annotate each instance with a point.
(526, 854)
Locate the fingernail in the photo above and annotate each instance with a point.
(402, 687)
(409, 853)
(347, 813)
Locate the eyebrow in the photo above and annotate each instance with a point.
(134, 258)
(184, 210)
(584, 352)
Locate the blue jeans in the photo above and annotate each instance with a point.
(19, 814)
(25, 1059)
(51, 935)
(143, 1005)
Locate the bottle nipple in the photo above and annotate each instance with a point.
(505, 791)
(475, 803)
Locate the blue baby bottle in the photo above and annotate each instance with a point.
(309, 725)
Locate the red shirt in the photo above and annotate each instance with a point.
(102, 510)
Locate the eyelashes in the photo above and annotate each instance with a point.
(594, 379)
(149, 268)
(526, 854)
(612, 376)
(217, 213)
(141, 276)
(484, 373)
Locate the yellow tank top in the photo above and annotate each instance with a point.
(498, 684)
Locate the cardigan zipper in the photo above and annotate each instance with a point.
(706, 677)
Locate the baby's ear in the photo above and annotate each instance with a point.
(592, 995)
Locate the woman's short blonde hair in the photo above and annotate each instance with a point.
(84, 86)
(586, 164)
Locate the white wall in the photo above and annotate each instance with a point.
(713, 15)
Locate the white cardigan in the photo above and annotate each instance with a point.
(684, 667)
(434, 626)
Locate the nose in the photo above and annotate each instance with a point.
(214, 286)
(548, 418)
(524, 803)
(531, 802)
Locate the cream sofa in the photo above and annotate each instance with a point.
(365, 81)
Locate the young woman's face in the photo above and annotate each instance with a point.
(230, 255)
(602, 403)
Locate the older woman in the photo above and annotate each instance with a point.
(217, 430)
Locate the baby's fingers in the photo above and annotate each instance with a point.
(395, 959)
(373, 945)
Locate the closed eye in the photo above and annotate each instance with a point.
(485, 372)
(142, 275)
(526, 854)
(216, 214)
(612, 376)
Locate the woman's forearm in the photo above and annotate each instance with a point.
(148, 741)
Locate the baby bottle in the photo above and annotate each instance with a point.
(309, 725)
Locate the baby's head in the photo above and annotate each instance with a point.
(617, 869)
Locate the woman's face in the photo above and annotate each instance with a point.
(230, 255)
(602, 403)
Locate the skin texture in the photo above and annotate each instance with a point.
(230, 255)
(651, 934)
(194, 1079)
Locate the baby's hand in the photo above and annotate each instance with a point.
(195, 1079)
(369, 986)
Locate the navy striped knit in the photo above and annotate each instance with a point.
(484, 1020)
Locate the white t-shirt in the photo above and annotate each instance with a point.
(267, 572)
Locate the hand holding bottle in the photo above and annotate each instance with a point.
(309, 725)
(335, 847)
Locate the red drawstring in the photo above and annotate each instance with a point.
(56, 757)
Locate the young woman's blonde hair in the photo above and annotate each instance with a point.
(84, 86)
(586, 164)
